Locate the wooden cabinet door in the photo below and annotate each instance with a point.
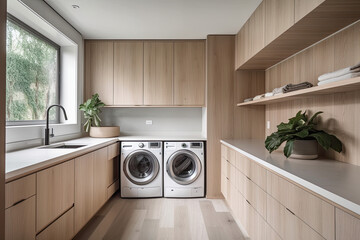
(20, 190)
(242, 46)
(113, 167)
(20, 220)
(303, 7)
(347, 226)
(55, 193)
(128, 73)
(61, 229)
(279, 18)
(100, 178)
(189, 73)
(84, 179)
(158, 73)
(99, 70)
(257, 30)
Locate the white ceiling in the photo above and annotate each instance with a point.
(155, 19)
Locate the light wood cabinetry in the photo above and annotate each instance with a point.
(158, 72)
(189, 73)
(347, 226)
(113, 163)
(279, 18)
(257, 30)
(99, 70)
(317, 213)
(303, 7)
(84, 190)
(61, 229)
(20, 190)
(100, 178)
(242, 46)
(128, 72)
(20, 220)
(54, 193)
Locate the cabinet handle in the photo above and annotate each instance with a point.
(290, 211)
(248, 178)
(227, 178)
(248, 202)
(20, 201)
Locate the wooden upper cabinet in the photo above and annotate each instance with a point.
(257, 30)
(189, 73)
(99, 66)
(242, 46)
(158, 73)
(279, 18)
(303, 7)
(128, 72)
(54, 193)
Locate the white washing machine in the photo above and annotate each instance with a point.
(141, 169)
(184, 169)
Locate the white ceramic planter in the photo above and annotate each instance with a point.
(305, 149)
(104, 132)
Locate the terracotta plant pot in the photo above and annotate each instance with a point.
(305, 149)
(104, 132)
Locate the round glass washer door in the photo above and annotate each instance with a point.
(183, 167)
(141, 167)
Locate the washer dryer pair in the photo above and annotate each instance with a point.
(148, 170)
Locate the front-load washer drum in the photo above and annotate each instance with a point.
(141, 167)
(183, 167)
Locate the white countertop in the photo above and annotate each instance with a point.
(27, 161)
(334, 180)
(24, 162)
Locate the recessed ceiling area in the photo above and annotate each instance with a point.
(154, 19)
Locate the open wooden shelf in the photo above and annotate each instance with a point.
(349, 85)
(326, 19)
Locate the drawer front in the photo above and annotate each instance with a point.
(347, 226)
(243, 163)
(240, 182)
(224, 152)
(255, 225)
(256, 196)
(232, 156)
(113, 170)
(224, 186)
(112, 189)
(113, 150)
(20, 190)
(315, 212)
(286, 224)
(258, 175)
(232, 175)
(20, 220)
(61, 229)
(55, 193)
(271, 234)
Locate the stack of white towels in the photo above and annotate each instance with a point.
(342, 74)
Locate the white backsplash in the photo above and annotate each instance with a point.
(165, 121)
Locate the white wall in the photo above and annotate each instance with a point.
(37, 14)
(166, 121)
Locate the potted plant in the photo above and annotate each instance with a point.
(302, 138)
(92, 108)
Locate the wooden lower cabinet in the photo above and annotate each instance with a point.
(20, 190)
(255, 225)
(54, 193)
(100, 178)
(20, 220)
(347, 226)
(287, 224)
(61, 229)
(113, 188)
(84, 182)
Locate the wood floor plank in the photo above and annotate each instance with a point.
(181, 223)
(149, 229)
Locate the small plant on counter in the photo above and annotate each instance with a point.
(91, 110)
(300, 128)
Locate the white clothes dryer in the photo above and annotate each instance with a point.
(141, 169)
(184, 169)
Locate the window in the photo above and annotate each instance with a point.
(32, 75)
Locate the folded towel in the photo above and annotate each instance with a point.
(278, 90)
(248, 100)
(269, 94)
(259, 97)
(343, 77)
(294, 87)
(338, 73)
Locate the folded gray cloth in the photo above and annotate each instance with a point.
(294, 87)
(278, 90)
(259, 96)
(338, 73)
(248, 100)
(341, 78)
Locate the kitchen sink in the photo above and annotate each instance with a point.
(63, 146)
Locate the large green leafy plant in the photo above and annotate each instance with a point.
(91, 110)
(300, 128)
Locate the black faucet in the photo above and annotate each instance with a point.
(47, 130)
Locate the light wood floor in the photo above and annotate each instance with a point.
(162, 218)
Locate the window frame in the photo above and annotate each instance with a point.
(40, 36)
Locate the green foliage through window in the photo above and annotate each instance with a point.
(31, 74)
